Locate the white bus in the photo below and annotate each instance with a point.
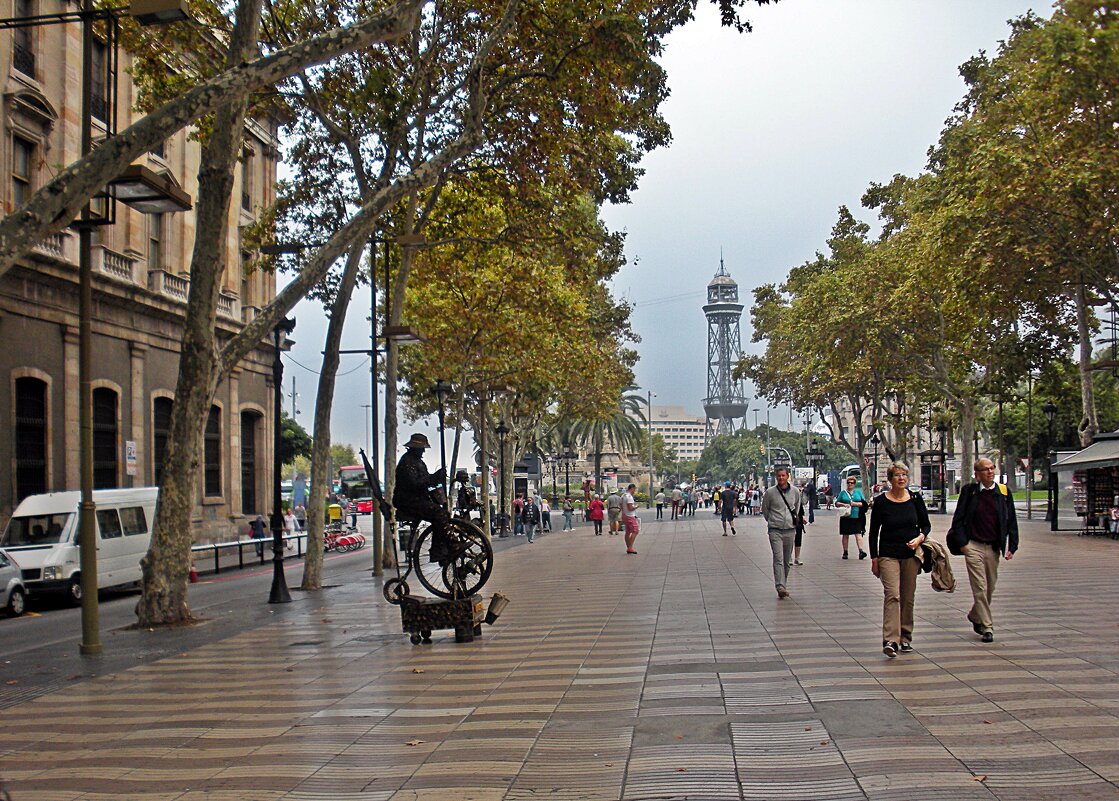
(43, 537)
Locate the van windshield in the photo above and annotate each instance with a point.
(35, 530)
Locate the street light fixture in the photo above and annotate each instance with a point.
(1050, 412)
(279, 592)
(441, 391)
(569, 458)
(942, 429)
(502, 518)
(874, 440)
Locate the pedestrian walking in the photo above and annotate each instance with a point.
(545, 515)
(256, 531)
(749, 499)
(984, 527)
(783, 509)
(716, 496)
(518, 519)
(810, 500)
(729, 500)
(596, 513)
(629, 517)
(659, 500)
(614, 510)
(854, 521)
(677, 499)
(899, 523)
(568, 514)
(693, 499)
(530, 517)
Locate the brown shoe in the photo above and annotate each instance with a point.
(782, 592)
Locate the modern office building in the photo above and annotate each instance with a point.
(685, 433)
(140, 285)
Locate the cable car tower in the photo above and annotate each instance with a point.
(726, 398)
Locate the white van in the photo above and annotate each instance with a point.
(43, 537)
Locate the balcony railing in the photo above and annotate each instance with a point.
(228, 306)
(169, 285)
(116, 265)
(53, 245)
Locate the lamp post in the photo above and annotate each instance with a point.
(874, 440)
(815, 456)
(442, 391)
(568, 460)
(143, 190)
(279, 592)
(1050, 412)
(942, 429)
(502, 518)
(552, 460)
(649, 403)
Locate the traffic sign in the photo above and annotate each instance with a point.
(952, 464)
(780, 460)
(813, 456)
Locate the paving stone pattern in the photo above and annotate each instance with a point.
(673, 674)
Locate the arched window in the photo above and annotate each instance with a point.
(250, 422)
(212, 454)
(161, 429)
(31, 437)
(105, 438)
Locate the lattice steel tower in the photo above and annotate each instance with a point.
(726, 398)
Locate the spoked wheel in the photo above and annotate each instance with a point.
(456, 568)
(394, 590)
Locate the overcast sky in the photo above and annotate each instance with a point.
(772, 132)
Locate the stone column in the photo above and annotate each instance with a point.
(235, 443)
(72, 407)
(139, 406)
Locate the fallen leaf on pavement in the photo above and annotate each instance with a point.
(417, 670)
(414, 742)
(823, 742)
(982, 778)
(12, 681)
(681, 770)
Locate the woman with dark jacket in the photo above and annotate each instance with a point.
(899, 523)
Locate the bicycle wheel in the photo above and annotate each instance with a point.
(457, 569)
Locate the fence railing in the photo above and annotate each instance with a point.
(264, 554)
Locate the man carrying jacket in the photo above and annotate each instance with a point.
(984, 527)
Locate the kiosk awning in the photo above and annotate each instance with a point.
(1102, 453)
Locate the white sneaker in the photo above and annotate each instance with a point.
(797, 562)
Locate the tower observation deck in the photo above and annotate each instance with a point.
(726, 398)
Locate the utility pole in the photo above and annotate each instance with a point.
(294, 395)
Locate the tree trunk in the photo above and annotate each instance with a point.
(969, 414)
(1089, 422)
(483, 444)
(166, 566)
(324, 404)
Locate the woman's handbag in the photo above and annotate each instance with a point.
(845, 511)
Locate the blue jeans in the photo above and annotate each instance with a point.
(530, 531)
(568, 525)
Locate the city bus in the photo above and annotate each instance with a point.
(353, 482)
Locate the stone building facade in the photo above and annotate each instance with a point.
(140, 283)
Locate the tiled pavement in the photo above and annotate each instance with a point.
(673, 674)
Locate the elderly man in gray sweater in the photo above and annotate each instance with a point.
(783, 510)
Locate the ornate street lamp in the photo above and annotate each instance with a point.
(502, 518)
(1050, 411)
(874, 440)
(279, 593)
(568, 460)
(942, 429)
(442, 391)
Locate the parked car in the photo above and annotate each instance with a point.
(13, 595)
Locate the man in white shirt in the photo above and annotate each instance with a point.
(629, 517)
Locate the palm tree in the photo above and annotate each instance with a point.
(617, 427)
